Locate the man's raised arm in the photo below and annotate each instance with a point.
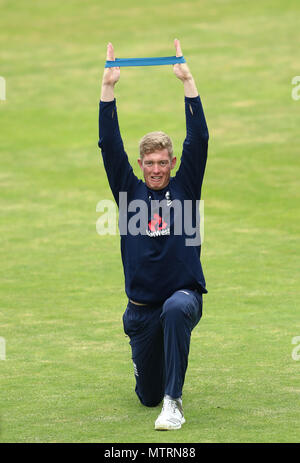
(193, 161)
(119, 172)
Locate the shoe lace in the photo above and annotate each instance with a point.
(170, 404)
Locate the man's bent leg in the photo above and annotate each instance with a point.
(142, 324)
(181, 313)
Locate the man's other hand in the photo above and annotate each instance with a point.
(111, 75)
(181, 70)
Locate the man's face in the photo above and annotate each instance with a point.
(157, 168)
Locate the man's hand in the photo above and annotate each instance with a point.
(182, 72)
(110, 76)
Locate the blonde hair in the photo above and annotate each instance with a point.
(155, 141)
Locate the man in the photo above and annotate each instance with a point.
(164, 281)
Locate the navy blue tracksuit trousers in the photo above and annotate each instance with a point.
(160, 341)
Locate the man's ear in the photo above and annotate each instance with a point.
(140, 163)
(173, 162)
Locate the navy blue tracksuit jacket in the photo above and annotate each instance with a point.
(157, 264)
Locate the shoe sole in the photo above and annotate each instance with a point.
(166, 427)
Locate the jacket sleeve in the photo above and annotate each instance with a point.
(118, 169)
(194, 154)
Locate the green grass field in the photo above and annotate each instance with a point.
(67, 376)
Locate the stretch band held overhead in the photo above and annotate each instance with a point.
(119, 62)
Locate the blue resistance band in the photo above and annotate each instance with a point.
(144, 61)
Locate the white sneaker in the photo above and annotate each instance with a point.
(171, 416)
